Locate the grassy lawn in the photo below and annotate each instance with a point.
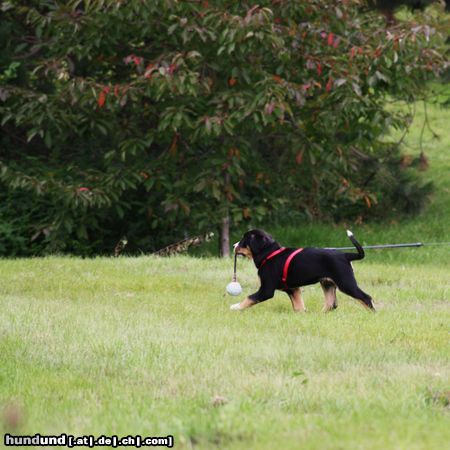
(148, 346)
(144, 345)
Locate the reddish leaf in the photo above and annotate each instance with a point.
(277, 78)
(148, 70)
(128, 59)
(396, 43)
(319, 69)
(101, 99)
(330, 39)
(329, 85)
(172, 68)
(250, 13)
(137, 60)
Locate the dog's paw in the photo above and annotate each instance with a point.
(236, 307)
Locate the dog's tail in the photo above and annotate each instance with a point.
(354, 256)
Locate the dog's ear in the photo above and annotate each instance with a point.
(258, 241)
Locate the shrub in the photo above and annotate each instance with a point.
(157, 119)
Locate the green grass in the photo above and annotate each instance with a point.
(144, 345)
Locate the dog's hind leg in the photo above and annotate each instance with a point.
(349, 287)
(329, 290)
(298, 305)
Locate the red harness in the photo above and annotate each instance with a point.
(286, 264)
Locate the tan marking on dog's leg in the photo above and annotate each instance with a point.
(365, 306)
(247, 303)
(329, 290)
(298, 304)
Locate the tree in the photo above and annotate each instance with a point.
(159, 119)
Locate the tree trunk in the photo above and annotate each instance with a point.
(225, 237)
(225, 227)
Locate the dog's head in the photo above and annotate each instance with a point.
(253, 243)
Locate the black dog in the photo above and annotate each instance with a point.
(287, 269)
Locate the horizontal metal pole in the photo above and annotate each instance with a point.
(414, 244)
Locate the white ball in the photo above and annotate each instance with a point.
(234, 288)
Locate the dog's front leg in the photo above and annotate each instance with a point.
(298, 305)
(247, 303)
(266, 291)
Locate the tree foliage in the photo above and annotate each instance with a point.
(155, 119)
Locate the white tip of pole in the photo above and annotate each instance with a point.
(349, 233)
